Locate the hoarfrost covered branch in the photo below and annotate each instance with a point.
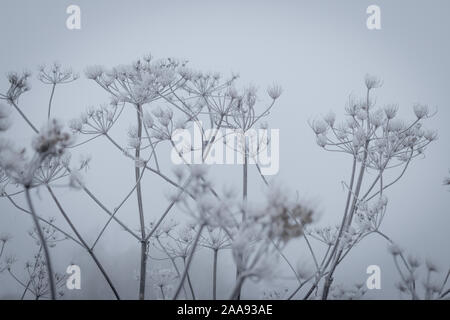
(164, 96)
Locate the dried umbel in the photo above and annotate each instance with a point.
(36, 275)
(56, 74)
(163, 279)
(166, 95)
(51, 169)
(370, 215)
(96, 121)
(280, 219)
(19, 84)
(244, 114)
(259, 239)
(434, 284)
(52, 140)
(378, 143)
(141, 82)
(215, 239)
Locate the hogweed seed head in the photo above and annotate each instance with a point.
(395, 250)
(274, 91)
(52, 139)
(372, 82)
(330, 118)
(421, 111)
(391, 111)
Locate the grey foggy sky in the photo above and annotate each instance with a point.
(318, 51)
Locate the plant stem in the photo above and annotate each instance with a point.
(48, 263)
(237, 288)
(85, 245)
(245, 180)
(215, 274)
(191, 287)
(172, 259)
(189, 261)
(329, 278)
(244, 198)
(144, 243)
(50, 101)
(24, 117)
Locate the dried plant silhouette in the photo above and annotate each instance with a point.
(164, 96)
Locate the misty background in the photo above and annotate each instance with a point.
(318, 51)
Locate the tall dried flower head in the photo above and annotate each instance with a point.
(395, 250)
(330, 118)
(96, 120)
(431, 267)
(18, 85)
(280, 218)
(319, 127)
(56, 74)
(163, 277)
(52, 139)
(414, 262)
(421, 111)
(94, 72)
(140, 82)
(274, 91)
(372, 82)
(391, 111)
(322, 140)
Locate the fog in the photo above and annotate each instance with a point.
(317, 51)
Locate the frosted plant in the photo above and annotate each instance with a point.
(341, 292)
(50, 142)
(164, 96)
(408, 268)
(243, 118)
(163, 279)
(4, 239)
(48, 164)
(377, 142)
(216, 240)
(54, 75)
(96, 121)
(142, 83)
(18, 85)
(37, 277)
(178, 244)
(260, 239)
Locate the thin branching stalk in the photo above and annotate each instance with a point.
(189, 261)
(85, 245)
(24, 116)
(144, 243)
(43, 242)
(50, 100)
(215, 253)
